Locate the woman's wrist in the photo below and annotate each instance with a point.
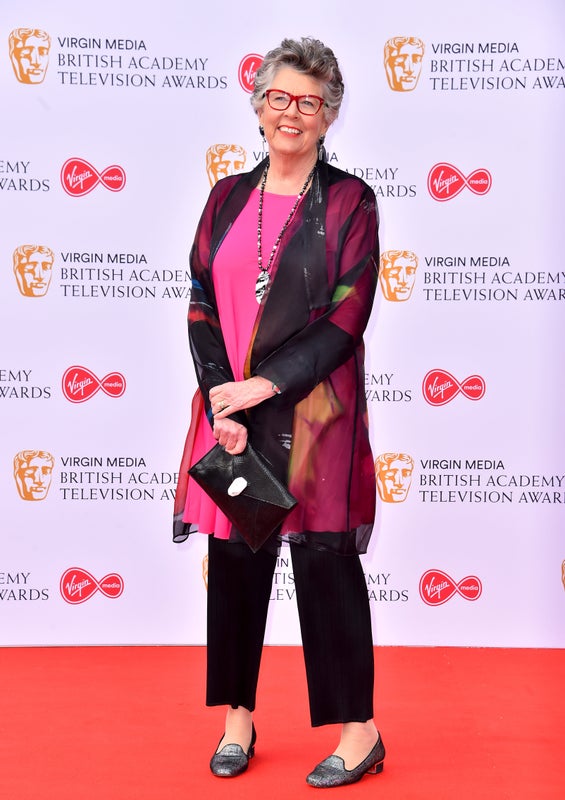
(269, 387)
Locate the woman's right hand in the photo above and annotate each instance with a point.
(231, 435)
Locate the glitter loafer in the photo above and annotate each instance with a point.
(232, 759)
(332, 772)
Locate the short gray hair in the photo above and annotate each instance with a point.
(310, 57)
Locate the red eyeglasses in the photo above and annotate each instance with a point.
(308, 104)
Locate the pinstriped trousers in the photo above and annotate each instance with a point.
(335, 625)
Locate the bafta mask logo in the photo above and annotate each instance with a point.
(224, 159)
(33, 267)
(394, 476)
(563, 573)
(403, 62)
(33, 470)
(29, 54)
(397, 274)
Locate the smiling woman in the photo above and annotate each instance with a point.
(292, 132)
(284, 270)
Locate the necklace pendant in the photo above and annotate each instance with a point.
(261, 284)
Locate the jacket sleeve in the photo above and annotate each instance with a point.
(327, 342)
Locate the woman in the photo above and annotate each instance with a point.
(284, 274)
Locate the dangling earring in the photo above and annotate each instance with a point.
(262, 134)
(322, 156)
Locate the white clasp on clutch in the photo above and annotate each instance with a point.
(237, 486)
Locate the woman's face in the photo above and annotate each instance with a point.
(290, 132)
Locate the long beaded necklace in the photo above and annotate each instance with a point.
(264, 272)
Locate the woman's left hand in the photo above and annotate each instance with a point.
(227, 398)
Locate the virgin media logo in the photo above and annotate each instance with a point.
(80, 384)
(436, 587)
(445, 181)
(247, 70)
(77, 585)
(439, 387)
(78, 177)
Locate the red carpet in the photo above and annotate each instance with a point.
(129, 723)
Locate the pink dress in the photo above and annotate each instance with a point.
(235, 272)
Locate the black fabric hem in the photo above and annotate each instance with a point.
(215, 704)
(339, 720)
(348, 543)
(182, 530)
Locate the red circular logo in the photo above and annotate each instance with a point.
(78, 177)
(77, 585)
(80, 384)
(440, 387)
(248, 67)
(436, 587)
(446, 181)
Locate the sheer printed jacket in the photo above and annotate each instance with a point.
(308, 340)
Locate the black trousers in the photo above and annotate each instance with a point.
(335, 624)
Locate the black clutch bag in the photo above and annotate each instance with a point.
(245, 489)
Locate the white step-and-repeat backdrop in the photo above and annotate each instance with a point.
(117, 119)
